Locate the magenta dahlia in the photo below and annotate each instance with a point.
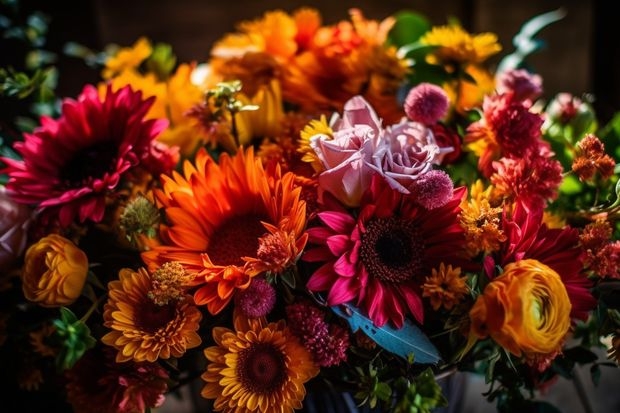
(69, 164)
(380, 259)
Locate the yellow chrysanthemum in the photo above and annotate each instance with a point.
(142, 330)
(266, 121)
(466, 94)
(127, 58)
(480, 219)
(257, 367)
(174, 97)
(315, 127)
(456, 45)
(217, 215)
(445, 287)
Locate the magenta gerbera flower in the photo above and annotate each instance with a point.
(380, 259)
(69, 164)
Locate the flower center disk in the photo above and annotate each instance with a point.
(153, 316)
(88, 163)
(392, 249)
(237, 237)
(261, 368)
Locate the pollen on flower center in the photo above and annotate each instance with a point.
(90, 162)
(392, 249)
(261, 368)
(238, 237)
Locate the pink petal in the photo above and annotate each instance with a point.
(338, 244)
(322, 279)
(342, 291)
(339, 222)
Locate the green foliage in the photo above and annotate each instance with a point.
(371, 388)
(407, 29)
(525, 41)
(74, 338)
(422, 395)
(162, 61)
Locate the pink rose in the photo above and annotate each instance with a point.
(347, 154)
(14, 222)
(407, 152)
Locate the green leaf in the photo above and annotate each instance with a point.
(524, 40)
(383, 391)
(571, 185)
(162, 61)
(74, 337)
(408, 28)
(403, 342)
(90, 57)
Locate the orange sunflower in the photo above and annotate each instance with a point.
(258, 367)
(220, 216)
(143, 330)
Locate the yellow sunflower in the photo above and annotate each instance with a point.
(458, 46)
(127, 58)
(143, 330)
(258, 367)
(218, 216)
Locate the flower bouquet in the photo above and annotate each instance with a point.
(358, 208)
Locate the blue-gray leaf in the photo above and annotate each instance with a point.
(403, 342)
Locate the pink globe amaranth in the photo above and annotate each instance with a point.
(426, 103)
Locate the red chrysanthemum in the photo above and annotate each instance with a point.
(528, 237)
(534, 179)
(97, 384)
(380, 259)
(507, 129)
(69, 164)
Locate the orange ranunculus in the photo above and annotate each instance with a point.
(525, 310)
(54, 272)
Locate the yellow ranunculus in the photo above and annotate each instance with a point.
(54, 272)
(525, 310)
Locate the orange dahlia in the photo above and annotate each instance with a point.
(143, 330)
(219, 219)
(258, 367)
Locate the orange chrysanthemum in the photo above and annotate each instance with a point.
(217, 214)
(143, 330)
(258, 367)
(445, 287)
(480, 218)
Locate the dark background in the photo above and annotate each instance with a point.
(582, 53)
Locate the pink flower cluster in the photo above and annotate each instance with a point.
(328, 343)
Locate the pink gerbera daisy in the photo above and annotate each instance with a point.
(381, 258)
(69, 164)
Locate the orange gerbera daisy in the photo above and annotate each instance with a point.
(218, 216)
(258, 367)
(142, 329)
